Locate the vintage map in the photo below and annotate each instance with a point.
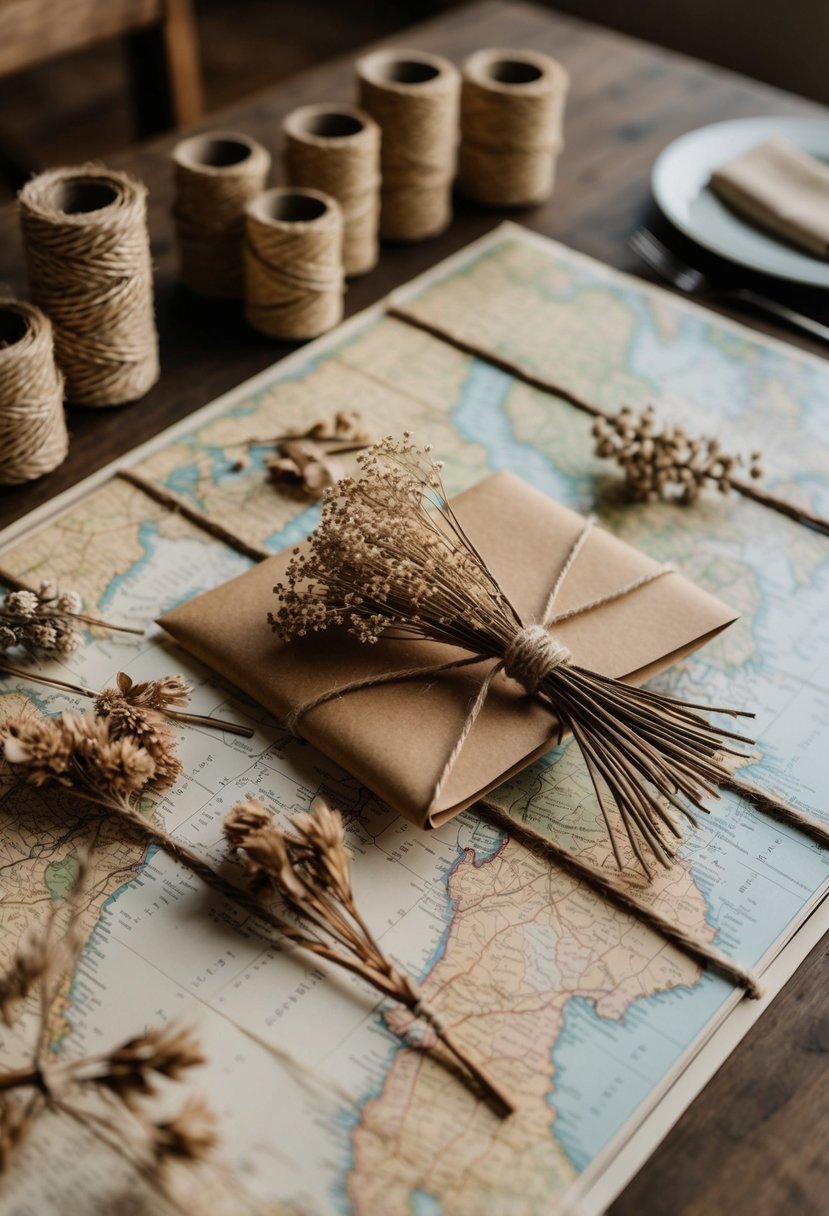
(587, 1016)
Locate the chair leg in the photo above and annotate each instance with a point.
(165, 71)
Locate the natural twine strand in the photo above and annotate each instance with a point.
(414, 99)
(216, 176)
(33, 438)
(801, 515)
(512, 106)
(293, 264)
(336, 149)
(88, 253)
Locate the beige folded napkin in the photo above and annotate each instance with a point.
(781, 188)
(395, 738)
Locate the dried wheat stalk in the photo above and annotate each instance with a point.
(109, 1092)
(311, 870)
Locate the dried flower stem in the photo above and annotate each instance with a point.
(311, 871)
(177, 715)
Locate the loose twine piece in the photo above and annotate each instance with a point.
(414, 98)
(336, 149)
(88, 253)
(33, 438)
(216, 176)
(544, 384)
(512, 107)
(293, 263)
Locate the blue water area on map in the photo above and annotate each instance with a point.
(296, 530)
(605, 1068)
(147, 538)
(480, 417)
(184, 481)
(424, 1204)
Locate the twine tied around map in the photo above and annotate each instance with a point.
(413, 96)
(88, 253)
(216, 175)
(33, 437)
(336, 149)
(512, 108)
(293, 263)
(645, 469)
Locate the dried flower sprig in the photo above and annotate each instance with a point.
(80, 754)
(46, 622)
(666, 463)
(107, 1090)
(307, 464)
(140, 705)
(311, 870)
(390, 558)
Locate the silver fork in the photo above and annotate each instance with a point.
(694, 283)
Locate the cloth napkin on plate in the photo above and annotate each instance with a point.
(781, 188)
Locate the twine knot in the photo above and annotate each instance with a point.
(532, 654)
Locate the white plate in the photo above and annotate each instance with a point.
(680, 186)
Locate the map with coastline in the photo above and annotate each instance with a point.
(581, 1010)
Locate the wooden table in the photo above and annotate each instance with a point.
(754, 1143)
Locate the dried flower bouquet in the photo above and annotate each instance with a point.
(390, 558)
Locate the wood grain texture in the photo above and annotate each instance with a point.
(32, 31)
(753, 1144)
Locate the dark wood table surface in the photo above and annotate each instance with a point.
(755, 1142)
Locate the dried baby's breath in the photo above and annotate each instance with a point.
(310, 868)
(46, 621)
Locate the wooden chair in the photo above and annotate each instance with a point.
(161, 45)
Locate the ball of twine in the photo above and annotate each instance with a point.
(216, 176)
(88, 253)
(413, 96)
(336, 149)
(293, 263)
(512, 107)
(33, 438)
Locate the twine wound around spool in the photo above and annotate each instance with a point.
(216, 175)
(88, 253)
(336, 149)
(413, 96)
(512, 109)
(33, 438)
(293, 263)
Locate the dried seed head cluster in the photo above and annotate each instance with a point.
(667, 463)
(80, 752)
(136, 710)
(107, 1092)
(310, 868)
(390, 555)
(41, 621)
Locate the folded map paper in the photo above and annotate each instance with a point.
(608, 1033)
(395, 738)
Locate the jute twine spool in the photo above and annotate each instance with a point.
(88, 252)
(33, 438)
(216, 176)
(336, 149)
(512, 107)
(414, 98)
(293, 263)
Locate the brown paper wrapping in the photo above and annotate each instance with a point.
(396, 738)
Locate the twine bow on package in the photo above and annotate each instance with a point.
(430, 742)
